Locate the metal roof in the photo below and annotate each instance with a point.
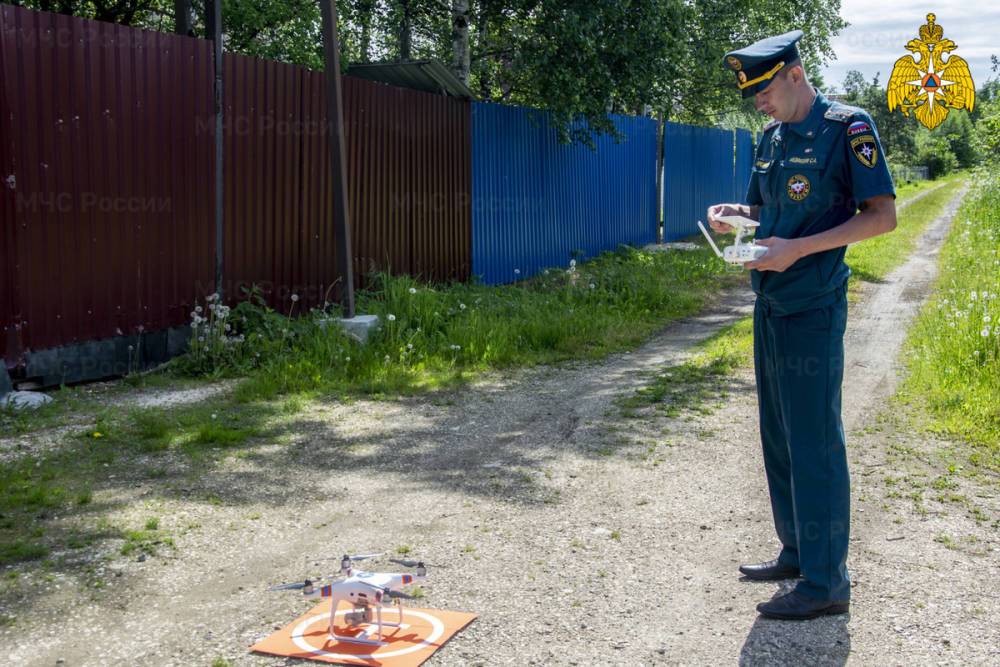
(429, 76)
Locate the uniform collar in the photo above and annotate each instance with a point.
(808, 126)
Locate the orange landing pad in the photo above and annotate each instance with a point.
(425, 631)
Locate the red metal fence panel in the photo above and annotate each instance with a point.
(111, 198)
(409, 180)
(106, 151)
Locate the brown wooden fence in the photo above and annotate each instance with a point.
(106, 158)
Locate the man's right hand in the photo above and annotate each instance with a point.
(724, 209)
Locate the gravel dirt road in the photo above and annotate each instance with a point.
(578, 535)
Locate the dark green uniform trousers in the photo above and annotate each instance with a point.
(799, 363)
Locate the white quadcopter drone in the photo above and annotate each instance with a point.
(365, 591)
(739, 252)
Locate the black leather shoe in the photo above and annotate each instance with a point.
(794, 606)
(772, 570)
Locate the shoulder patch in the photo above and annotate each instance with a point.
(843, 112)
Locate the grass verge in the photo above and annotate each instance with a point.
(954, 347)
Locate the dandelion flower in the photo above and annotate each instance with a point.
(973, 295)
(413, 290)
(98, 434)
(347, 359)
(214, 416)
(390, 317)
(295, 297)
(198, 309)
(985, 332)
(409, 346)
(461, 306)
(986, 318)
(572, 262)
(517, 272)
(592, 286)
(386, 358)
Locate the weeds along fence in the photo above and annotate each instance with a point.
(107, 195)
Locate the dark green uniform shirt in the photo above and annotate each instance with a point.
(808, 177)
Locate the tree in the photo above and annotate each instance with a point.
(577, 58)
(934, 152)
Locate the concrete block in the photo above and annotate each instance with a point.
(358, 327)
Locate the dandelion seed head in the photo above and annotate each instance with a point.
(413, 290)
(390, 317)
(295, 297)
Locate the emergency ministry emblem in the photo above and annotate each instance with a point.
(798, 187)
(931, 86)
(734, 63)
(865, 149)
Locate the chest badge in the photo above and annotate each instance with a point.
(798, 187)
(865, 150)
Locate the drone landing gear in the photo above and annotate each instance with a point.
(362, 615)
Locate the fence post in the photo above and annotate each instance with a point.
(214, 12)
(659, 177)
(338, 156)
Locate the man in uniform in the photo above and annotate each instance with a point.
(817, 163)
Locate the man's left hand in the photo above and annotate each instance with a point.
(781, 254)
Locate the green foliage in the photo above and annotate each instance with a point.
(959, 133)
(934, 152)
(954, 347)
(986, 136)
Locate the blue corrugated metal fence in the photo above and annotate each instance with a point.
(745, 145)
(538, 203)
(701, 166)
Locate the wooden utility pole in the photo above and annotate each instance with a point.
(182, 17)
(213, 25)
(338, 154)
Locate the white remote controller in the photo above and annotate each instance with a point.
(739, 252)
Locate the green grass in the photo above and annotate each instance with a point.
(19, 550)
(873, 259)
(698, 384)
(436, 336)
(953, 350)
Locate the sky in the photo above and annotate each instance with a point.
(880, 29)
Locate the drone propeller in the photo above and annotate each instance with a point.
(406, 562)
(388, 592)
(292, 587)
(361, 556)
